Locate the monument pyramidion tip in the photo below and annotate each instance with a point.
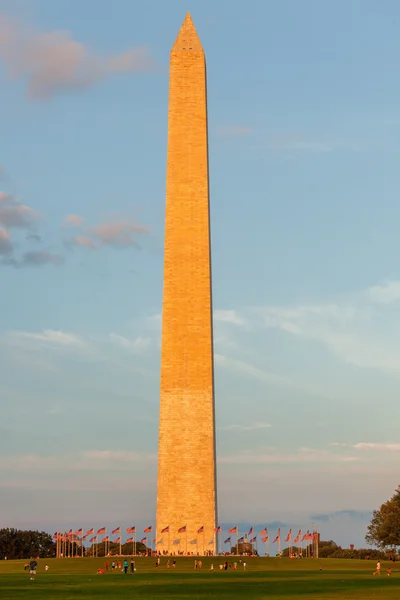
(188, 38)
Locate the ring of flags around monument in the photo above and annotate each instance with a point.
(100, 535)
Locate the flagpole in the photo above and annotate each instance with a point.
(120, 540)
(186, 538)
(134, 543)
(237, 540)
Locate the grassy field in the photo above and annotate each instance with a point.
(265, 578)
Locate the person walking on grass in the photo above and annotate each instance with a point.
(378, 568)
(32, 569)
(126, 565)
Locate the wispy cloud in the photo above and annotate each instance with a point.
(354, 328)
(234, 130)
(53, 62)
(34, 259)
(6, 246)
(48, 337)
(275, 456)
(361, 515)
(98, 460)
(371, 446)
(254, 427)
(228, 316)
(121, 233)
(15, 214)
(297, 144)
(73, 220)
(386, 293)
(137, 345)
(249, 370)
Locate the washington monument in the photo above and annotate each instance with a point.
(186, 496)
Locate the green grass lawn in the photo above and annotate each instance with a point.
(265, 578)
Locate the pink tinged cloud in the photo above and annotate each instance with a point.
(119, 233)
(53, 62)
(73, 220)
(14, 214)
(5, 242)
(85, 242)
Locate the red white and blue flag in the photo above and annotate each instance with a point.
(165, 530)
(201, 529)
(148, 529)
(182, 529)
(131, 530)
(115, 531)
(233, 529)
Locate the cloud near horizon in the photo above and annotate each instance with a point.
(53, 62)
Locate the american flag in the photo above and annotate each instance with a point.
(105, 539)
(178, 541)
(227, 541)
(289, 535)
(101, 530)
(297, 538)
(115, 531)
(278, 537)
(250, 531)
(264, 531)
(264, 540)
(117, 540)
(93, 539)
(79, 531)
(253, 540)
(131, 530)
(233, 529)
(90, 531)
(129, 541)
(165, 530)
(218, 529)
(148, 529)
(143, 540)
(182, 529)
(241, 540)
(201, 529)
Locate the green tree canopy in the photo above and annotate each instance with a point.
(384, 529)
(15, 543)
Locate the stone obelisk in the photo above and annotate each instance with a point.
(186, 496)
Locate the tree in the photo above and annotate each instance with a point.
(15, 543)
(384, 529)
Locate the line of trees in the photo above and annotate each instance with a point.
(17, 543)
(329, 549)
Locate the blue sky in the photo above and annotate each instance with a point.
(304, 128)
